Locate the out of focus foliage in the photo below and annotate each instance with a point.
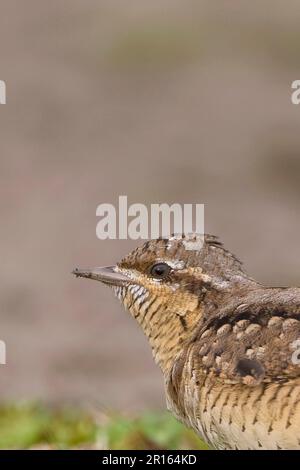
(24, 426)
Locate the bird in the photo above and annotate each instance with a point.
(227, 345)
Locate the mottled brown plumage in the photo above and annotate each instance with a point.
(227, 346)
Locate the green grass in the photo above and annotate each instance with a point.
(24, 426)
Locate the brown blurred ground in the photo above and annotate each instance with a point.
(161, 101)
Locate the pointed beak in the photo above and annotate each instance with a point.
(107, 275)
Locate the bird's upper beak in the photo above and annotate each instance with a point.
(107, 274)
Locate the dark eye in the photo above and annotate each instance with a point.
(160, 270)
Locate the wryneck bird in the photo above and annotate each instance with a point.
(226, 344)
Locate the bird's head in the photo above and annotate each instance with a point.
(164, 284)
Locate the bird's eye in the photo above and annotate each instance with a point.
(160, 270)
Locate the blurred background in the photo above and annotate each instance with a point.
(162, 101)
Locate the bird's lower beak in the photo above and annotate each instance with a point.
(107, 275)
